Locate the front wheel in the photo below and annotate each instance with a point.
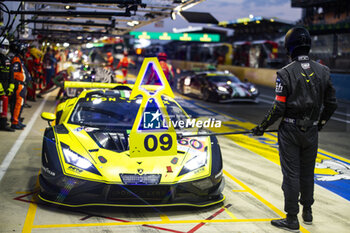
(205, 95)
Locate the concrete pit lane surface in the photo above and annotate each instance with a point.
(251, 170)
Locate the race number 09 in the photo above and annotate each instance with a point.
(151, 142)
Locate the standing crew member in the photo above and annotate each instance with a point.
(6, 83)
(110, 61)
(167, 69)
(58, 80)
(49, 64)
(21, 76)
(305, 99)
(33, 56)
(124, 63)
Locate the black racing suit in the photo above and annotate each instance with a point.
(305, 99)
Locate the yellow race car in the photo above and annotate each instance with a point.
(87, 157)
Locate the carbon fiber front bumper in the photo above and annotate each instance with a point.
(73, 192)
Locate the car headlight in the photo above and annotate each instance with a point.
(253, 90)
(187, 81)
(222, 89)
(197, 161)
(74, 159)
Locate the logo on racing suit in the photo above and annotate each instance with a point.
(279, 87)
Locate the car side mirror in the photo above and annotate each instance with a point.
(47, 116)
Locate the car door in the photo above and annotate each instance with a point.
(196, 85)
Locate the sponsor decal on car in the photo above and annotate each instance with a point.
(48, 171)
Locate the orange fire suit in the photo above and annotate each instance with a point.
(124, 63)
(21, 76)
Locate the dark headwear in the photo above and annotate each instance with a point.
(297, 40)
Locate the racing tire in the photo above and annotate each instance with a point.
(205, 95)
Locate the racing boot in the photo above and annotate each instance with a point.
(290, 223)
(4, 125)
(307, 215)
(16, 126)
(27, 105)
(21, 124)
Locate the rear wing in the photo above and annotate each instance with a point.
(96, 85)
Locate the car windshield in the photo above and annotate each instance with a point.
(112, 108)
(223, 79)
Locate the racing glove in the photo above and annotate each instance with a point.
(321, 124)
(2, 91)
(258, 131)
(10, 89)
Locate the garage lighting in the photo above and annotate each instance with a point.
(173, 15)
(89, 45)
(67, 7)
(79, 37)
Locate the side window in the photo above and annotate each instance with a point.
(195, 81)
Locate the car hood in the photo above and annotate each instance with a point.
(108, 151)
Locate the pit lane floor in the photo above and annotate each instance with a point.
(253, 194)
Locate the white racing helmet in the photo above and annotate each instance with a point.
(4, 46)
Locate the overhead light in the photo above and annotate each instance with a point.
(251, 16)
(173, 15)
(67, 7)
(58, 44)
(79, 37)
(65, 44)
(67, 18)
(135, 22)
(89, 38)
(131, 24)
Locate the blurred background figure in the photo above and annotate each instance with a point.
(167, 70)
(58, 81)
(6, 83)
(33, 57)
(110, 61)
(21, 76)
(49, 64)
(124, 64)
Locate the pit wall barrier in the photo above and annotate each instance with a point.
(266, 77)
